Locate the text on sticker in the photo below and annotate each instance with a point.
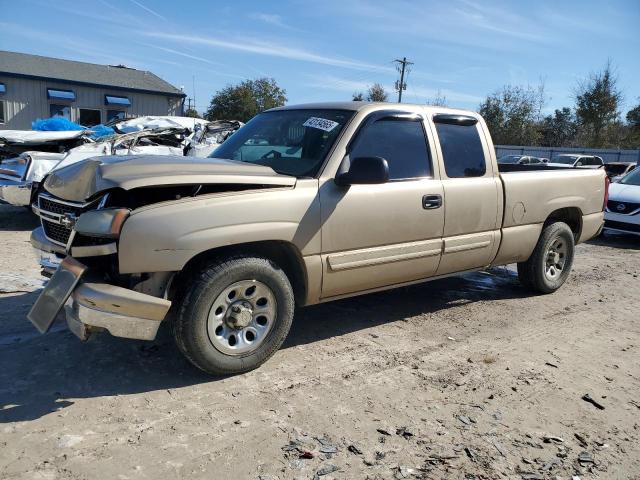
(320, 123)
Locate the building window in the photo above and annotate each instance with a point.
(113, 100)
(88, 117)
(67, 95)
(60, 111)
(115, 114)
(1, 112)
(3, 88)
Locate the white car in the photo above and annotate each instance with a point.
(575, 160)
(623, 208)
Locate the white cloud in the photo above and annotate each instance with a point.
(261, 47)
(152, 12)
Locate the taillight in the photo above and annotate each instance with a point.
(606, 191)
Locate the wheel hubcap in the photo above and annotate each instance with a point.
(555, 259)
(241, 317)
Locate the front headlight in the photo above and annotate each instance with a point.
(105, 223)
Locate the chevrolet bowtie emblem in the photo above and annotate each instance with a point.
(68, 220)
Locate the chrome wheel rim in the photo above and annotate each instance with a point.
(555, 259)
(241, 317)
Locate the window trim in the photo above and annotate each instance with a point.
(393, 115)
(64, 105)
(99, 110)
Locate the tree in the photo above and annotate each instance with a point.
(246, 99)
(597, 102)
(358, 97)
(560, 129)
(438, 101)
(192, 112)
(632, 137)
(633, 117)
(376, 93)
(512, 114)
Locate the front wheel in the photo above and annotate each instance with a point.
(235, 315)
(550, 263)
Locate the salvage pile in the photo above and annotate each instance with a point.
(28, 156)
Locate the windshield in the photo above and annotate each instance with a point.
(632, 178)
(291, 142)
(566, 159)
(510, 159)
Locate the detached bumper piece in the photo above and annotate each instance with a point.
(122, 312)
(16, 193)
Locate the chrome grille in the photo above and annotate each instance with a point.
(50, 210)
(622, 207)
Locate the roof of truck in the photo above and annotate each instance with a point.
(356, 106)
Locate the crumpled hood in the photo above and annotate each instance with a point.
(80, 181)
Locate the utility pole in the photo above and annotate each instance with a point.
(401, 85)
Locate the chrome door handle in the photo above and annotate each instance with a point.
(430, 202)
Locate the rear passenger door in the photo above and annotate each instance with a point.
(472, 194)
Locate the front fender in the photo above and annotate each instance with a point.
(164, 237)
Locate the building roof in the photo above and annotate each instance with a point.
(82, 73)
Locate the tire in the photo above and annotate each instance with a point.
(539, 272)
(205, 336)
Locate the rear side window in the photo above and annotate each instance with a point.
(401, 142)
(462, 150)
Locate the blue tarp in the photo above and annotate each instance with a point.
(61, 124)
(55, 124)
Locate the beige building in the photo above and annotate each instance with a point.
(33, 87)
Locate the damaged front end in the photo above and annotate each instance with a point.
(83, 208)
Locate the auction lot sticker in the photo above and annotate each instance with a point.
(320, 123)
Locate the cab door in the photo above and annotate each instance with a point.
(380, 235)
(472, 192)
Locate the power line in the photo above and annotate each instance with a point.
(401, 85)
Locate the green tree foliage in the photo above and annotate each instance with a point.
(512, 115)
(377, 93)
(597, 103)
(192, 112)
(559, 129)
(633, 117)
(358, 97)
(246, 99)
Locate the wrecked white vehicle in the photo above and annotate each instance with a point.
(20, 176)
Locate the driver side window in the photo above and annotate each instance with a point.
(401, 143)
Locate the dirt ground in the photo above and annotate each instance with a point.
(466, 377)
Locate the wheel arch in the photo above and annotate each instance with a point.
(284, 254)
(572, 216)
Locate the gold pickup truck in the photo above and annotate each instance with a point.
(304, 204)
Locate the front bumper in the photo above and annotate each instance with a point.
(15, 192)
(48, 254)
(122, 312)
(619, 222)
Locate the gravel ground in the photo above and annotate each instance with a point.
(466, 377)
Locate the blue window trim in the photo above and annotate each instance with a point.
(3, 88)
(116, 100)
(58, 94)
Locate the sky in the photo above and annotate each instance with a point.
(326, 50)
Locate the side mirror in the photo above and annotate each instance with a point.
(365, 171)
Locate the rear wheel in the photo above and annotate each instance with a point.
(235, 315)
(550, 263)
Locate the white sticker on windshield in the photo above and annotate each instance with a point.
(320, 123)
